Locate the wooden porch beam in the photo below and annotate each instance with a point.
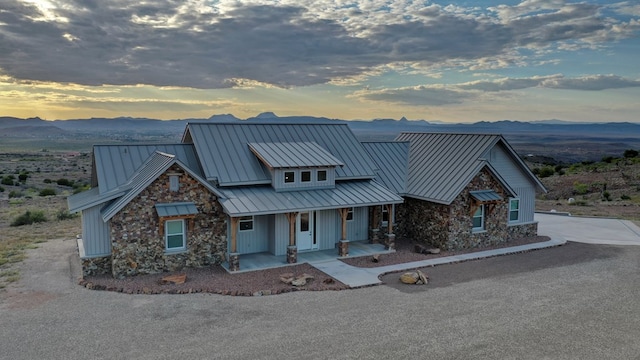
(344, 212)
(391, 219)
(291, 217)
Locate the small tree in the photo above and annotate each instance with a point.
(29, 217)
(630, 153)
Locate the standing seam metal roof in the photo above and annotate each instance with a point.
(441, 165)
(226, 158)
(260, 200)
(391, 158)
(294, 155)
(115, 164)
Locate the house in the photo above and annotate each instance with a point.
(465, 191)
(227, 190)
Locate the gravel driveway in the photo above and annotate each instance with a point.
(578, 301)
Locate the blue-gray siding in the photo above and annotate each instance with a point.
(96, 238)
(256, 240)
(279, 184)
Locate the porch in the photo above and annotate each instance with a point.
(265, 260)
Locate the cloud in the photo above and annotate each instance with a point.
(198, 44)
(440, 94)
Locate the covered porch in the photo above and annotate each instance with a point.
(265, 260)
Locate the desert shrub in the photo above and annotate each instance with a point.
(15, 194)
(64, 182)
(64, 214)
(546, 172)
(625, 197)
(23, 177)
(580, 188)
(47, 181)
(606, 195)
(630, 153)
(29, 217)
(1, 189)
(607, 159)
(7, 180)
(47, 192)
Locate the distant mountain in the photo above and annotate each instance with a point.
(33, 131)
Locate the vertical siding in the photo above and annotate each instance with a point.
(281, 235)
(358, 228)
(517, 179)
(96, 238)
(327, 229)
(256, 240)
(271, 230)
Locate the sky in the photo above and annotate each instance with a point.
(450, 61)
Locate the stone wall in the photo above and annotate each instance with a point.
(449, 227)
(96, 266)
(138, 247)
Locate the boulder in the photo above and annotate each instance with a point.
(409, 277)
(174, 279)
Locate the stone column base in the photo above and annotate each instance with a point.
(234, 261)
(292, 254)
(374, 236)
(390, 241)
(343, 248)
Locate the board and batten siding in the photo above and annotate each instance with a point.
(517, 179)
(256, 240)
(96, 237)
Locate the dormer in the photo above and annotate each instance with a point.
(297, 165)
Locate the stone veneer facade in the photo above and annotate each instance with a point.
(138, 244)
(449, 227)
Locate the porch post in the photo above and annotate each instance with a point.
(343, 244)
(234, 257)
(292, 250)
(390, 237)
(374, 224)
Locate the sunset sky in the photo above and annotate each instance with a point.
(454, 60)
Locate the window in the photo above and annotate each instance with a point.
(289, 176)
(385, 215)
(478, 219)
(175, 235)
(322, 175)
(350, 214)
(174, 182)
(305, 176)
(514, 210)
(245, 223)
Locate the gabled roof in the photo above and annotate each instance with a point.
(225, 156)
(441, 164)
(155, 166)
(293, 155)
(260, 200)
(90, 198)
(113, 165)
(391, 158)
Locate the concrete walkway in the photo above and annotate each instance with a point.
(559, 228)
(358, 277)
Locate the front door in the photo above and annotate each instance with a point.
(304, 231)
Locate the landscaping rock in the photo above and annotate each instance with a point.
(174, 279)
(409, 277)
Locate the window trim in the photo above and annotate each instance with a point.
(293, 177)
(167, 234)
(382, 220)
(480, 228)
(326, 176)
(350, 214)
(517, 210)
(246, 219)
(302, 173)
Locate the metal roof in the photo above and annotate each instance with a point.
(293, 155)
(484, 196)
(157, 164)
(226, 158)
(391, 158)
(441, 165)
(260, 200)
(113, 165)
(176, 209)
(90, 198)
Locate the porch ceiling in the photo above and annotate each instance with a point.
(264, 200)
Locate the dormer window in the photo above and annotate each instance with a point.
(289, 177)
(305, 176)
(322, 175)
